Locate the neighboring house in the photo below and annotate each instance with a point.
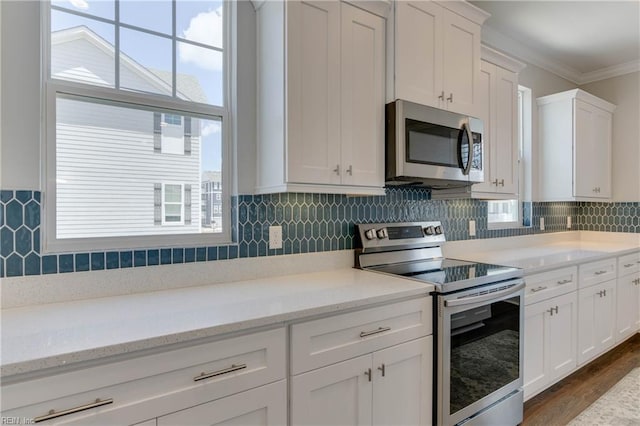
(123, 160)
(212, 201)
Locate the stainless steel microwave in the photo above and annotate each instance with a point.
(432, 147)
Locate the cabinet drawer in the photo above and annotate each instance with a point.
(597, 272)
(328, 340)
(550, 284)
(148, 386)
(628, 264)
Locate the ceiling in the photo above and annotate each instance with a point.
(581, 41)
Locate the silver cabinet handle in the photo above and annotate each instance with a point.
(564, 281)
(350, 170)
(337, 170)
(600, 272)
(382, 369)
(441, 97)
(602, 293)
(552, 309)
(368, 373)
(540, 288)
(495, 182)
(52, 414)
(501, 182)
(231, 369)
(450, 98)
(378, 330)
(628, 265)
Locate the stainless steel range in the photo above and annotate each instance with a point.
(478, 321)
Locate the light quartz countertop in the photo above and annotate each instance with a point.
(60, 334)
(544, 252)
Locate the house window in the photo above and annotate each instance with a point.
(509, 213)
(136, 96)
(172, 204)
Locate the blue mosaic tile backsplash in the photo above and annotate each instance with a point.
(310, 223)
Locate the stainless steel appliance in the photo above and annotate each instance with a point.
(432, 147)
(478, 321)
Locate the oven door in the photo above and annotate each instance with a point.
(480, 350)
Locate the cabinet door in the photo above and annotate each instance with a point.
(363, 79)
(486, 112)
(461, 59)
(505, 155)
(535, 365)
(418, 52)
(627, 310)
(561, 334)
(402, 384)
(596, 320)
(265, 405)
(339, 394)
(592, 151)
(313, 92)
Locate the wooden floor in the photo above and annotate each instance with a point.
(559, 404)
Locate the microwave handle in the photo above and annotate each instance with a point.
(467, 128)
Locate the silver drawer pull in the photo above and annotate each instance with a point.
(231, 369)
(600, 272)
(540, 288)
(628, 265)
(564, 282)
(52, 414)
(379, 330)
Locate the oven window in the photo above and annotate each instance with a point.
(485, 351)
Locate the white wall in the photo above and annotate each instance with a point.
(20, 82)
(624, 92)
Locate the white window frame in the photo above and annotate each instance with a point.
(524, 159)
(52, 88)
(164, 204)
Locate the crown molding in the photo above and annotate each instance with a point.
(610, 72)
(499, 41)
(498, 58)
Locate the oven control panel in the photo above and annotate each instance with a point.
(381, 236)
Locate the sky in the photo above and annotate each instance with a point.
(196, 20)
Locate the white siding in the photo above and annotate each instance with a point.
(107, 168)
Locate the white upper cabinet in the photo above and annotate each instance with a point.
(321, 77)
(499, 113)
(436, 55)
(575, 147)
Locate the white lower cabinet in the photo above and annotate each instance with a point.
(628, 306)
(596, 320)
(628, 288)
(263, 406)
(550, 341)
(389, 386)
(241, 378)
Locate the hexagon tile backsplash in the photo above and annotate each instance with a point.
(310, 223)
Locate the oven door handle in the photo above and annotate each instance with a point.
(483, 298)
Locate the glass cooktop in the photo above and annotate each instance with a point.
(450, 274)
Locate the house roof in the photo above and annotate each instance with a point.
(190, 88)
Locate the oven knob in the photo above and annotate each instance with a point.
(370, 234)
(382, 233)
(438, 230)
(429, 230)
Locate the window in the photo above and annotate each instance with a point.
(136, 122)
(509, 213)
(172, 204)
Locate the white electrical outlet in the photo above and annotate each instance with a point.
(568, 222)
(472, 228)
(542, 223)
(275, 237)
